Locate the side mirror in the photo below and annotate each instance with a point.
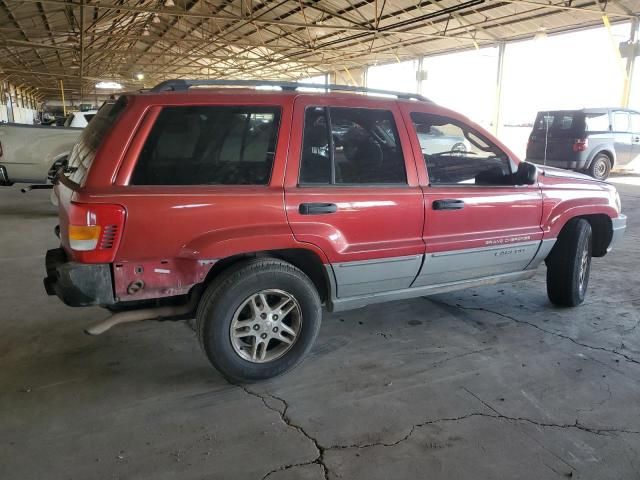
(527, 174)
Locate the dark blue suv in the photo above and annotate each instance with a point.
(593, 140)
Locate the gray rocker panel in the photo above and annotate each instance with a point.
(372, 276)
(460, 265)
(341, 304)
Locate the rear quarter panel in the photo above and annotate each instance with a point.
(173, 235)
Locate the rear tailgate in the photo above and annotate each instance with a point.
(80, 161)
(554, 134)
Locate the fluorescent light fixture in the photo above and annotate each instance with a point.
(540, 35)
(108, 85)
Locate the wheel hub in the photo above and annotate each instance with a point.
(265, 326)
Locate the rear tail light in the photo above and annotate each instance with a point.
(580, 144)
(84, 238)
(94, 231)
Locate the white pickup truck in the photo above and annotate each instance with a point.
(32, 153)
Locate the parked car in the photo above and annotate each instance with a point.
(32, 153)
(434, 140)
(34, 156)
(593, 140)
(238, 207)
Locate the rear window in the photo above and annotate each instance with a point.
(209, 145)
(560, 124)
(83, 153)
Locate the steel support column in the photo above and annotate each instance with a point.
(497, 112)
(631, 60)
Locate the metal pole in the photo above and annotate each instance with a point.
(64, 104)
(631, 60)
(498, 99)
(419, 76)
(81, 49)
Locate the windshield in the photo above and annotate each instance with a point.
(83, 153)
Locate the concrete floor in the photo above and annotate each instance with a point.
(484, 384)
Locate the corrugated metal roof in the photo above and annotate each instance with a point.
(48, 40)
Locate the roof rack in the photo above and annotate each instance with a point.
(182, 85)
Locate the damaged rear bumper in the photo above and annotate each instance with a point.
(78, 284)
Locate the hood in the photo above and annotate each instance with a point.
(561, 173)
(559, 176)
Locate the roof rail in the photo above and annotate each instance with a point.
(182, 85)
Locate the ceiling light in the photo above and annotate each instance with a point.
(140, 76)
(155, 18)
(145, 32)
(541, 34)
(108, 85)
(169, 3)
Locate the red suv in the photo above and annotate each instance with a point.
(250, 209)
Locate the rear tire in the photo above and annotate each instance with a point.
(600, 167)
(258, 320)
(569, 264)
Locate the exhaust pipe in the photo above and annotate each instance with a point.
(36, 187)
(140, 315)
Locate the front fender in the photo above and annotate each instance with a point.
(565, 211)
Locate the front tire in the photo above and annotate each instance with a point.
(569, 264)
(259, 320)
(600, 167)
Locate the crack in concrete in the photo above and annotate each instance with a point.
(321, 450)
(408, 435)
(319, 460)
(531, 324)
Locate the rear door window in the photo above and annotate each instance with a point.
(351, 146)
(209, 145)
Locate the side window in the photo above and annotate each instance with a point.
(212, 145)
(456, 154)
(351, 146)
(621, 122)
(597, 122)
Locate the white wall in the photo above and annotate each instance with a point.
(23, 115)
(3, 114)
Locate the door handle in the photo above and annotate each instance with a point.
(317, 208)
(636, 139)
(448, 204)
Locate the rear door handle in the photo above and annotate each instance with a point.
(317, 208)
(448, 204)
